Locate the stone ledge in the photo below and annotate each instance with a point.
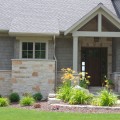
(52, 95)
(33, 60)
(85, 106)
(5, 70)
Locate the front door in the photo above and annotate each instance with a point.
(95, 63)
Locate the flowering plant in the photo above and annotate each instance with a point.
(108, 83)
(84, 79)
(67, 76)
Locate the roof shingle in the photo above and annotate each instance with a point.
(67, 12)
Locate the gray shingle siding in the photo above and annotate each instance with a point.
(50, 49)
(116, 54)
(16, 49)
(64, 53)
(6, 52)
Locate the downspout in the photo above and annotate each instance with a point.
(54, 39)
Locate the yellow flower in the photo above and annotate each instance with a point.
(86, 73)
(80, 73)
(88, 76)
(87, 82)
(73, 72)
(75, 81)
(68, 69)
(106, 81)
(81, 79)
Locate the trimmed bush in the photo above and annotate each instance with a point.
(14, 97)
(64, 92)
(37, 97)
(106, 98)
(4, 102)
(80, 97)
(27, 101)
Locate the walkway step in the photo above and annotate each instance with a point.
(53, 101)
(52, 95)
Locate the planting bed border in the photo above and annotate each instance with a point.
(85, 108)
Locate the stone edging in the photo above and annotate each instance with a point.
(85, 106)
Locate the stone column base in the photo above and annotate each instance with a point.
(116, 79)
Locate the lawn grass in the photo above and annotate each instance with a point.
(19, 114)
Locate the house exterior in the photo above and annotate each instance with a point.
(40, 37)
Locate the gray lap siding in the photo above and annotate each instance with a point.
(6, 52)
(116, 54)
(64, 53)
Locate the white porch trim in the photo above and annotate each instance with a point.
(75, 54)
(99, 22)
(96, 34)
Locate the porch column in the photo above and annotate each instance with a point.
(75, 54)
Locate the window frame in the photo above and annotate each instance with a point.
(36, 41)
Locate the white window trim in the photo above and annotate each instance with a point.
(35, 41)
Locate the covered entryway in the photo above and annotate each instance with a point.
(95, 63)
(98, 28)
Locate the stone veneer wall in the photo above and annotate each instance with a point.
(5, 83)
(32, 76)
(116, 79)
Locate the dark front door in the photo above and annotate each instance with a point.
(95, 60)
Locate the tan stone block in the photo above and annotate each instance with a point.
(50, 81)
(36, 88)
(2, 78)
(14, 80)
(35, 74)
(17, 62)
(50, 66)
(23, 67)
(16, 72)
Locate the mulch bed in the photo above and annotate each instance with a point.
(70, 108)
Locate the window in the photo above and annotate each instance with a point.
(35, 50)
(27, 50)
(40, 50)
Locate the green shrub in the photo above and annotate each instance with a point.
(4, 102)
(27, 101)
(14, 97)
(64, 92)
(80, 97)
(0, 96)
(38, 96)
(106, 98)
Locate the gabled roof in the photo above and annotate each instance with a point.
(93, 13)
(67, 12)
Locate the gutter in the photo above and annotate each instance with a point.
(54, 38)
(32, 34)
